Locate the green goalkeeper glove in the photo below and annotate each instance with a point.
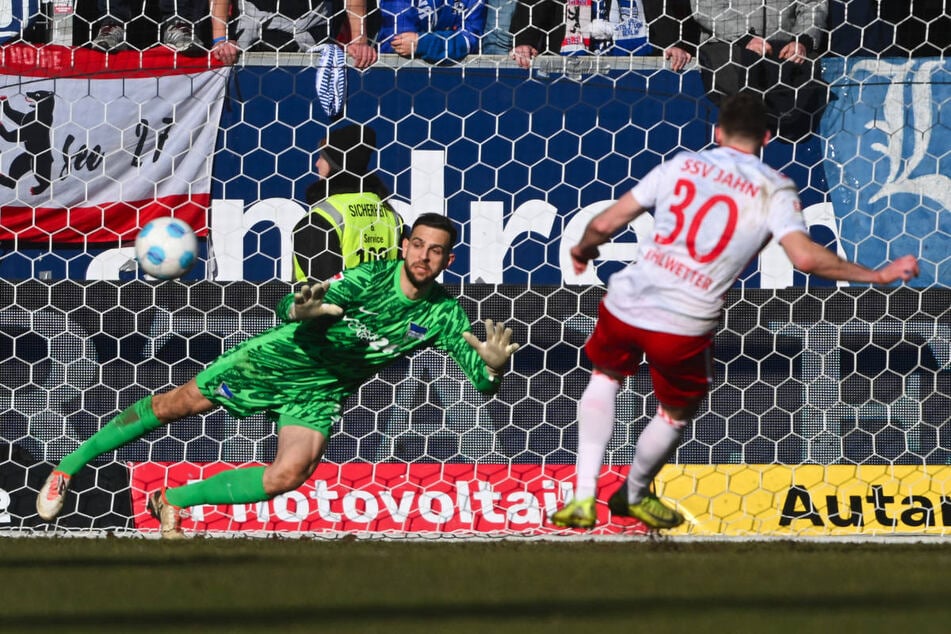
(496, 349)
(309, 303)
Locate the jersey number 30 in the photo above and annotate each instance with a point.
(687, 191)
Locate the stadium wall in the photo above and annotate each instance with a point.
(830, 409)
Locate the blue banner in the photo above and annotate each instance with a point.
(887, 161)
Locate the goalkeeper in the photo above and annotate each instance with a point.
(335, 335)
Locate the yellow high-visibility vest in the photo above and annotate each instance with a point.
(366, 228)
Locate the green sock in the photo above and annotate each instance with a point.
(132, 423)
(238, 486)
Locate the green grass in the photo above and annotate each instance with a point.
(246, 585)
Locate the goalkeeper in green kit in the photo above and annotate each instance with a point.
(335, 336)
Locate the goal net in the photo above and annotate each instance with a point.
(829, 410)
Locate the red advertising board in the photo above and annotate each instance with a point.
(390, 498)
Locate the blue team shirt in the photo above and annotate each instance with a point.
(448, 30)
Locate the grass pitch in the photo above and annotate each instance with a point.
(269, 585)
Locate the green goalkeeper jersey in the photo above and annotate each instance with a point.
(379, 325)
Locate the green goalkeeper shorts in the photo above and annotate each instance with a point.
(237, 385)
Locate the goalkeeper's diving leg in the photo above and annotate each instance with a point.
(299, 450)
(137, 420)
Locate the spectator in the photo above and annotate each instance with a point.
(349, 221)
(223, 47)
(497, 39)
(630, 27)
(558, 27)
(768, 46)
(21, 21)
(272, 25)
(179, 30)
(673, 31)
(111, 36)
(436, 31)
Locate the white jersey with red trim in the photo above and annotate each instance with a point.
(713, 212)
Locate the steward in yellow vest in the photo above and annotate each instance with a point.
(350, 221)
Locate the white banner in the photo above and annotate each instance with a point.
(93, 146)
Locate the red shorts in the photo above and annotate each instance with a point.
(681, 366)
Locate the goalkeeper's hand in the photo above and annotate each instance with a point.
(496, 349)
(309, 303)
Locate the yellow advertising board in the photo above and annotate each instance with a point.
(776, 500)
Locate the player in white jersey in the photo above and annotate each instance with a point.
(713, 212)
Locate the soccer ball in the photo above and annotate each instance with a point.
(166, 248)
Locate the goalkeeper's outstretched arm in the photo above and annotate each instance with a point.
(497, 348)
(308, 303)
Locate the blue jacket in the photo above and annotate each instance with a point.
(448, 30)
(18, 17)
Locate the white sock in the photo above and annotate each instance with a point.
(595, 426)
(654, 445)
